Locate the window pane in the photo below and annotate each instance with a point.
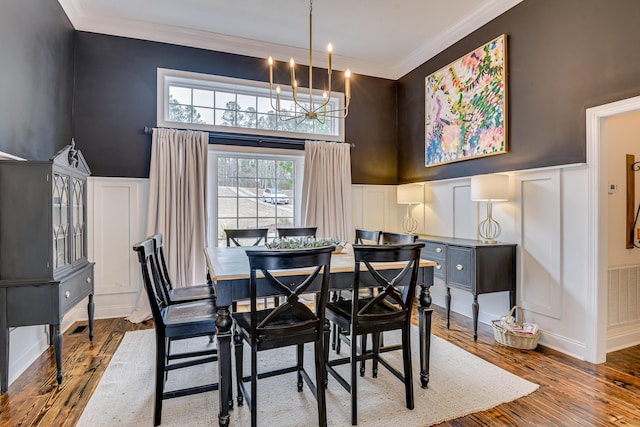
(227, 207)
(181, 95)
(247, 119)
(203, 98)
(203, 115)
(247, 168)
(225, 118)
(264, 105)
(224, 99)
(267, 121)
(248, 223)
(246, 102)
(247, 207)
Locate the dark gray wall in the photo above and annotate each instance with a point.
(563, 57)
(36, 47)
(115, 97)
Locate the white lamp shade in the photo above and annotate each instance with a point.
(410, 193)
(494, 187)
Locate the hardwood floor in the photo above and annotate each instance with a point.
(571, 393)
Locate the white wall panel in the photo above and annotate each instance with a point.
(117, 216)
(540, 263)
(465, 212)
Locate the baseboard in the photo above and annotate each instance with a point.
(620, 337)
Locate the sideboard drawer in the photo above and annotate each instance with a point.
(460, 267)
(75, 288)
(435, 251)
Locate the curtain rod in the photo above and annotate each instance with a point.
(247, 137)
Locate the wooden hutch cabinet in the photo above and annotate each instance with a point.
(44, 270)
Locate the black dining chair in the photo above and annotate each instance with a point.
(174, 322)
(179, 295)
(287, 232)
(389, 310)
(246, 236)
(290, 324)
(389, 238)
(371, 237)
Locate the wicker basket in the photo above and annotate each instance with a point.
(513, 339)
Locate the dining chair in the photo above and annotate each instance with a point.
(362, 237)
(182, 294)
(173, 322)
(389, 238)
(290, 324)
(297, 231)
(239, 237)
(367, 237)
(389, 310)
(252, 236)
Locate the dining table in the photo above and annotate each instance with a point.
(229, 271)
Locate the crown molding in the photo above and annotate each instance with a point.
(489, 11)
(220, 42)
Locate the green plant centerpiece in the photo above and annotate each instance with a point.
(307, 242)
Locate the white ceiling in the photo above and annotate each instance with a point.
(380, 38)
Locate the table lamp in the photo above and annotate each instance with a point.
(410, 194)
(489, 188)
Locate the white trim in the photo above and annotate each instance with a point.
(224, 43)
(297, 156)
(7, 156)
(597, 251)
(167, 76)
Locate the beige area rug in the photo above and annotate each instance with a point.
(460, 384)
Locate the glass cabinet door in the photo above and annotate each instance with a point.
(60, 220)
(79, 226)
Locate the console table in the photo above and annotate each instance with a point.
(472, 266)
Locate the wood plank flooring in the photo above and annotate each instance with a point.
(571, 393)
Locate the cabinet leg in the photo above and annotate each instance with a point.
(90, 311)
(57, 349)
(4, 360)
(447, 300)
(475, 307)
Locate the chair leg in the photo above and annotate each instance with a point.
(161, 346)
(300, 364)
(376, 354)
(321, 373)
(326, 334)
(254, 387)
(238, 344)
(354, 380)
(408, 374)
(363, 350)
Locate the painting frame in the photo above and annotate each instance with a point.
(466, 106)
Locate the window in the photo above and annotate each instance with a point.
(205, 102)
(252, 189)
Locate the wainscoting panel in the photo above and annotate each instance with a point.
(539, 231)
(374, 207)
(117, 216)
(465, 212)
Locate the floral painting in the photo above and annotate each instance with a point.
(466, 106)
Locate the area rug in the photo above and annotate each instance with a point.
(460, 384)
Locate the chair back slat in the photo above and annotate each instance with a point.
(257, 236)
(397, 298)
(151, 277)
(365, 236)
(388, 238)
(267, 262)
(297, 231)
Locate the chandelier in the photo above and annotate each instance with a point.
(303, 110)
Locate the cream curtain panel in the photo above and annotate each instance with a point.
(177, 208)
(326, 189)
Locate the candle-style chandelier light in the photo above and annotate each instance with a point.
(303, 110)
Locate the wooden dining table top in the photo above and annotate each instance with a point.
(230, 263)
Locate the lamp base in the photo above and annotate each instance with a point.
(409, 225)
(489, 229)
